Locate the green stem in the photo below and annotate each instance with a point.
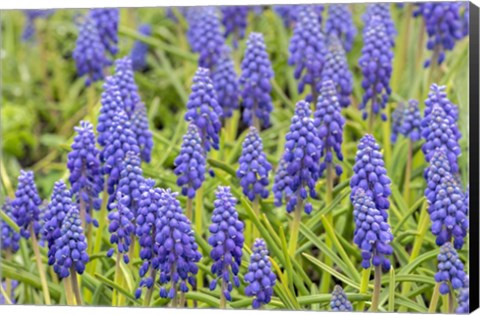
(76, 286)
(41, 270)
(363, 288)
(434, 300)
(68, 292)
(451, 302)
(297, 218)
(371, 120)
(326, 278)
(148, 296)
(8, 285)
(376, 288)
(117, 279)
(223, 300)
(5, 295)
(182, 299)
(91, 100)
(256, 210)
(408, 172)
(189, 209)
(101, 227)
(198, 227)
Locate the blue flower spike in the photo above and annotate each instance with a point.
(340, 23)
(121, 227)
(339, 301)
(10, 238)
(106, 20)
(26, 205)
(451, 274)
(139, 51)
(226, 83)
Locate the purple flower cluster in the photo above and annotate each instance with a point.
(466, 19)
(438, 96)
(260, 277)
(376, 65)
(85, 171)
(372, 231)
(26, 205)
(289, 13)
(382, 11)
(329, 123)
(225, 81)
(226, 240)
(203, 109)
(397, 121)
(302, 152)
(121, 226)
(370, 174)
(139, 51)
(253, 167)
(31, 16)
(125, 82)
(339, 301)
(131, 180)
(234, 19)
(71, 246)
(281, 183)
(411, 122)
(438, 169)
(307, 51)
(89, 53)
(140, 128)
(112, 103)
(463, 298)
(106, 21)
(9, 238)
(255, 82)
(190, 163)
(336, 69)
(340, 23)
(450, 269)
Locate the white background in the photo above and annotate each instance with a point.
(40, 4)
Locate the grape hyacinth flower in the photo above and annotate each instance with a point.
(397, 121)
(203, 109)
(71, 247)
(140, 128)
(89, 53)
(139, 51)
(131, 180)
(463, 298)
(448, 213)
(411, 122)
(111, 101)
(370, 174)
(466, 19)
(339, 301)
(307, 51)
(382, 11)
(234, 19)
(336, 69)
(438, 169)
(177, 250)
(121, 227)
(340, 23)
(450, 269)
(32, 15)
(25, 206)
(286, 13)
(85, 171)
(9, 238)
(190, 163)
(255, 83)
(227, 241)
(225, 81)
(281, 183)
(126, 84)
(329, 123)
(376, 65)
(438, 96)
(106, 21)
(253, 167)
(260, 277)
(56, 211)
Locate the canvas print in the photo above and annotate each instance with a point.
(285, 157)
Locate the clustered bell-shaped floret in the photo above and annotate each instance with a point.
(203, 109)
(139, 51)
(260, 277)
(340, 23)
(111, 101)
(450, 269)
(329, 123)
(255, 82)
(438, 96)
(281, 183)
(121, 227)
(463, 298)
(397, 121)
(411, 123)
(339, 301)
(225, 81)
(190, 163)
(226, 240)
(438, 169)
(131, 180)
(106, 21)
(382, 11)
(126, 84)
(234, 19)
(25, 206)
(71, 246)
(253, 167)
(372, 231)
(142, 131)
(10, 238)
(85, 170)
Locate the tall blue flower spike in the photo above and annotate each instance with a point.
(382, 11)
(438, 169)
(281, 183)
(260, 277)
(71, 246)
(205, 35)
(106, 21)
(443, 24)
(397, 121)
(25, 206)
(376, 65)
(253, 167)
(307, 49)
(448, 213)
(111, 101)
(126, 84)
(302, 152)
(140, 128)
(10, 238)
(226, 83)
(190, 164)
(337, 69)
(32, 15)
(412, 119)
(340, 23)
(121, 227)
(130, 182)
(56, 211)
(329, 123)
(255, 82)
(176, 248)
(450, 270)
(203, 109)
(370, 174)
(227, 241)
(234, 19)
(89, 54)
(463, 298)
(438, 96)
(372, 231)
(139, 51)
(339, 301)
(85, 177)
